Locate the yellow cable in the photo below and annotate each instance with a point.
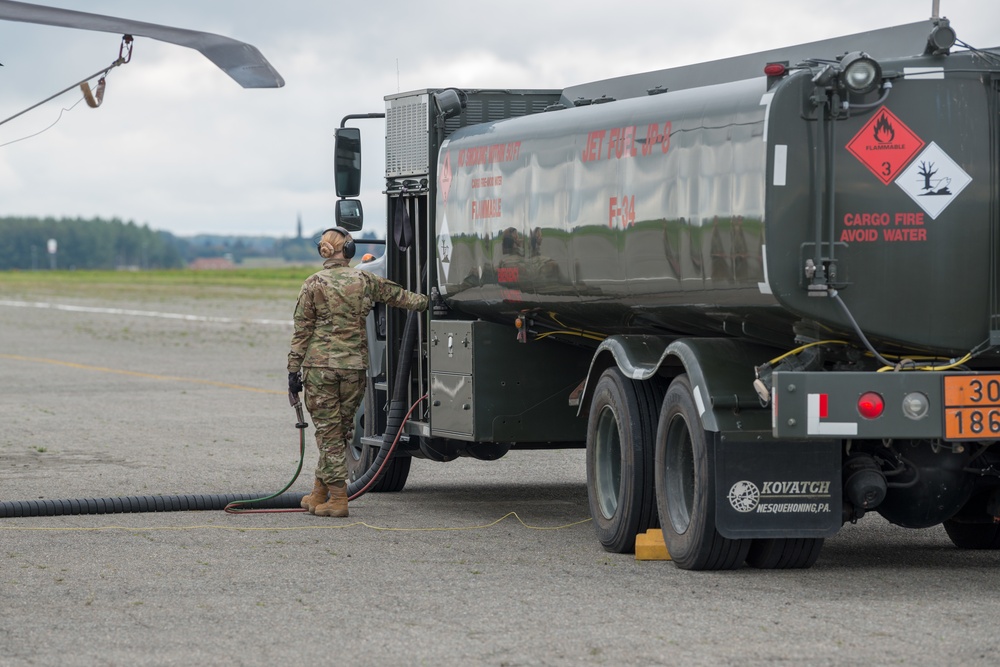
(554, 318)
(289, 528)
(570, 333)
(946, 367)
(806, 346)
(884, 368)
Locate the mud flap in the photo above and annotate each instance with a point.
(769, 489)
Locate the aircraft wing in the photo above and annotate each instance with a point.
(243, 62)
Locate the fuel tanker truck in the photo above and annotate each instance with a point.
(762, 293)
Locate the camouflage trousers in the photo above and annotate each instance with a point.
(332, 396)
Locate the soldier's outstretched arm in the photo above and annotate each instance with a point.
(391, 294)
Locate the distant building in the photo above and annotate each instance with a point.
(211, 264)
(298, 233)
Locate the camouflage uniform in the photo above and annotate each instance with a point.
(330, 347)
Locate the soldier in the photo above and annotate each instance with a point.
(329, 346)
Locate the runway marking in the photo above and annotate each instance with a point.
(152, 376)
(139, 313)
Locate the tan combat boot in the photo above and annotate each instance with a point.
(337, 505)
(317, 497)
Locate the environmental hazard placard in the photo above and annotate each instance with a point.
(933, 180)
(885, 145)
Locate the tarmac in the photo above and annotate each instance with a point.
(484, 563)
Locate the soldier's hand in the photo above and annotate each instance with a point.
(295, 383)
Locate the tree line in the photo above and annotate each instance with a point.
(85, 244)
(113, 244)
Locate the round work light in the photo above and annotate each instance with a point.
(861, 73)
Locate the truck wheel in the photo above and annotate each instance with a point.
(973, 535)
(685, 488)
(619, 459)
(784, 554)
(361, 456)
(974, 526)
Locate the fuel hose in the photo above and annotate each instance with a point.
(398, 413)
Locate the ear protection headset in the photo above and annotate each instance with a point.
(349, 248)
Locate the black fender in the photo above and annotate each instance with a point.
(721, 371)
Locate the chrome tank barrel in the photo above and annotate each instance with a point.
(699, 211)
(641, 215)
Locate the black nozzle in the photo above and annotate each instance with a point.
(293, 400)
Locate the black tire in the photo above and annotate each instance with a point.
(685, 487)
(973, 535)
(360, 456)
(620, 433)
(974, 527)
(784, 554)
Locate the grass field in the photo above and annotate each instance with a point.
(262, 283)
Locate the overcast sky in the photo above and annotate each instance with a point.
(181, 147)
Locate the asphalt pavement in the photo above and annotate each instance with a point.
(473, 563)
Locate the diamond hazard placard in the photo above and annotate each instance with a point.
(444, 180)
(933, 180)
(885, 145)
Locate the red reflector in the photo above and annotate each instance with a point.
(775, 69)
(870, 405)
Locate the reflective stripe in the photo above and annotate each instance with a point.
(816, 427)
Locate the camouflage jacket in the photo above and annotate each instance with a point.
(330, 315)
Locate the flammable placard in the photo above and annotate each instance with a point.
(885, 145)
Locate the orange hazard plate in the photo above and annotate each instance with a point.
(972, 407)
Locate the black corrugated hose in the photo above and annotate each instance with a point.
(127, 504)
(397, 409)
(183, 503)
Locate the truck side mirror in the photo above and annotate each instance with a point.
(349, 214)
(347, 161)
